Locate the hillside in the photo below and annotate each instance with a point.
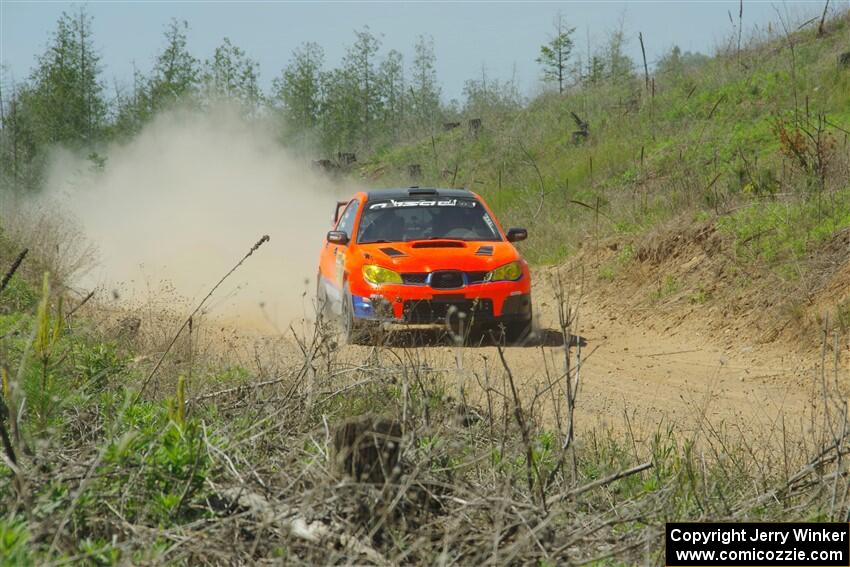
(719, 182)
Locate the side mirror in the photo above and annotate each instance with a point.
(337, 237)
(517, 234)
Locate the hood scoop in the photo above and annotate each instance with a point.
(439, 244)
(484, 251)
(392, 252)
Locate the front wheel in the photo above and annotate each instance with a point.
(322, 306)
(353, 331)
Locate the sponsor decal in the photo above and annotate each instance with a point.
(490, 223)
(404, 203)
(339, 264)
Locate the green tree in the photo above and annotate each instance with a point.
(619, 66)
(425, 90)
(555, 55)
(359, 61)
(175, 77)
(490, 97)
(132, 109)
(391, 74)
(298, 91)
(17, 143)
(176, 73)
(64, 99)
(232, 75)
(340, 112)
(675, 63)
(595, 70)
(61, 103)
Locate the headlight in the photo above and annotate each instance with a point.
(378, 275)
(509, 272)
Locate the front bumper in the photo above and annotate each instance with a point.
(487, 303)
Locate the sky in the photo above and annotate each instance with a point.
(502, 37)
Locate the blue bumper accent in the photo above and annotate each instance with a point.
(362, 307)
(374, 308)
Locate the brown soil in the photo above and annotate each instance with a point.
(641, 371)
(651, 357)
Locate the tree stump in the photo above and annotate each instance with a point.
(474, 125)
(368, 448)
(414, 171)
(583, 132)
(346, 158)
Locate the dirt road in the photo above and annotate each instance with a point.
(657, 376)
(680, 377)
(633, 363)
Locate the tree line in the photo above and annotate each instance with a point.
(373, 98)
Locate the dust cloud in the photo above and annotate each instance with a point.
(179, 204)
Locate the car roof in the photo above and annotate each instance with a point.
(408, 192)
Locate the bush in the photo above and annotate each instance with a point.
(14, 543)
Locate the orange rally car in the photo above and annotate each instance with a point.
(423, 256)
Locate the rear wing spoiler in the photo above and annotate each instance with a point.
(340, 205)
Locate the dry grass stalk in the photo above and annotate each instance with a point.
(188, 320)
(7, 277)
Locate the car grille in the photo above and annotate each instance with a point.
(445, 279)
(438, 310)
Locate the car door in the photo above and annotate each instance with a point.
(327, 257)
(334, 255)
(339, 251)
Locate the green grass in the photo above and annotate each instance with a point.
(699, 296)
(779, 232)
(14, 540)
(713, 122)
(18, 296)
(611, 269)
(667, 287)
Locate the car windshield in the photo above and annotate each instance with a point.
(401, 220)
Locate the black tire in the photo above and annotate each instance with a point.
(321, 299)
(355, 332)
